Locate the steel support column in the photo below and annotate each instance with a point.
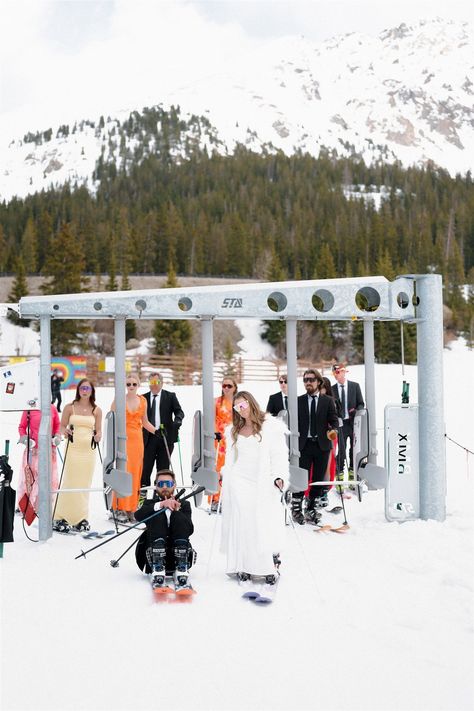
(369, 364)
(292, 375)
(45, 528)
(120, 374)
(431, 430)
(207, 330)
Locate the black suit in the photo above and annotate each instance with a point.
(171, 417)
(179, 526)
(315, 451)
(276, 404)
(355, 402)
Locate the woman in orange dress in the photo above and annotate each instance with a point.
(223, 418)
(135, 419)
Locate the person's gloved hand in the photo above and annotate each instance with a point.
(56, 439)
(217, 436)
(24, 440)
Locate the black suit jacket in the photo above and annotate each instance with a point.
(275, 404)
(355, 401)
(148, 508)
(169, 409)
(326, 419)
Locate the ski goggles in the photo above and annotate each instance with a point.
(168, 483)
(241, 406)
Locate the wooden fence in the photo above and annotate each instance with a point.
(187, 369)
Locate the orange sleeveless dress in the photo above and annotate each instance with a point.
(135, 448)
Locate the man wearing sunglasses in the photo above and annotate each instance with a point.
(163, 409)
(349, 396)
(279, 401)
(165, 546)
(316, 416)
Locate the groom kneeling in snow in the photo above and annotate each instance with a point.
(164, 547)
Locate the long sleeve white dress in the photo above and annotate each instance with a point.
(252, 515)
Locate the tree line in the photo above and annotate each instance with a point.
(268, 216)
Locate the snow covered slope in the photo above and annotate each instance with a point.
(379, 619)
(406, 95)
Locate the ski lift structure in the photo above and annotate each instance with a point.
(410, 298)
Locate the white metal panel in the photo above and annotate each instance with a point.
(402, 494)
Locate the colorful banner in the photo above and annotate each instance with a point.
(72, 369)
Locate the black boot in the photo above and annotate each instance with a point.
(158, 558)
(297, 508)
(312, 515)
(181, 557)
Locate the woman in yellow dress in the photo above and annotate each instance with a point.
(81, 422)
(135, 419)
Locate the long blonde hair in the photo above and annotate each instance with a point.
(257, 417)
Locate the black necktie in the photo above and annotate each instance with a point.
(312, 419)
(286, 401)
(343, 401)
(153, 410)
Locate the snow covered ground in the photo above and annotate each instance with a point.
(378, 619)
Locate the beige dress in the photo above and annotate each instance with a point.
(78, 471)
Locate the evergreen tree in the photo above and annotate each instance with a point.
(19, 289)
(64, 267)
(3, 250)
(172, 336)
(274, 331)
(130, 325)
(29, 247)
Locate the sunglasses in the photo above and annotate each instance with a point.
(282, 381)
(155, 381)
(309, 380)
(132, 385)
(241, 406)
(85, 387)
(161, 484)
(227, 385)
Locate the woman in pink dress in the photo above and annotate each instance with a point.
(29, 426)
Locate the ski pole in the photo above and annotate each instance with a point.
(163, 434)
(61, 477)
(180, 460)
(115, 563)
(121, 533)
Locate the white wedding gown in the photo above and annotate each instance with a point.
(251, 508)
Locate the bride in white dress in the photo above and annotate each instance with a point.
(254, 473)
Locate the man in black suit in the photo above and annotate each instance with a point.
(164, 545)
(279, 401)
(349, 396)
(162, 407)
(316, 416)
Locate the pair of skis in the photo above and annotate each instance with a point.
(259, 591)
(169, 588)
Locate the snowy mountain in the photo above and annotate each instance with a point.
(405, 95)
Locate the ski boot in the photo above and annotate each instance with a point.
(61, 526)
(158, 572)
(312, 515)
(182, 585)
(297, 508)
(83, 525)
